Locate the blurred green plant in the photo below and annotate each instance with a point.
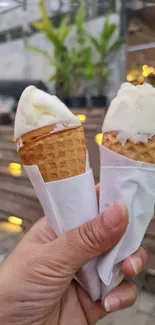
(105, 45)
(73, 64)
(59, 57)
(81, 54)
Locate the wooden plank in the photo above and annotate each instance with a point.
(7, 157)
(7, 146)
(23, 211)
(24, 200)
(7, 129)
(18, 190)
(5, 176)
(25, 225)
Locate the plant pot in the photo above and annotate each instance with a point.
(66, 100)
(99, 101)
(5, 119)
(75, 101)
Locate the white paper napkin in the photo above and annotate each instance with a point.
(71, 202)
(133, 183)
(67, 204)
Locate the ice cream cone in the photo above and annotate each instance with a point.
(58, 155)
(140, 151)
(129, 126)
(49, 135)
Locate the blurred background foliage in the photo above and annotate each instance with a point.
(86, 59)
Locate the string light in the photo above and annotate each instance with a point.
(82, 117)
(135, 76)
(146, 70)
(98, 138)
(15, 169)
(130, 77)
(15, 220)
(9, 227)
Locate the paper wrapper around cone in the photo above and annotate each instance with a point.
(58, 155)
(139, 151)
(127, 174)
(58, 167)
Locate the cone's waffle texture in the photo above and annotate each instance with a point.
(58, 155)
(137, 151)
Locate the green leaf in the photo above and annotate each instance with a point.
(53, 38)
(116, 45)
(47, 22)
(41, 2)
(103, 49)
(40, 51)
(80, 16)
(46, 25)
(89, 72)
(53, 77)
(81, 32)
(95, 42)
(50, 33)
(64, 29)
(108, 30)
(73, 56)
(39, 26)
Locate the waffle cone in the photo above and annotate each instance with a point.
(139, 151)
(58, 155)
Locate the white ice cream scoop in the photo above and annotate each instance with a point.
(132, 112)
(37, 109)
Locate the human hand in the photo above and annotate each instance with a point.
(36, 281)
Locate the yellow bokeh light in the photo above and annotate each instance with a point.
(145, 73)
(82, 117)
(15, 173)
(135, 76)
(130, 77)
(15, 166)
(8, 227)
(98, 138)
(146, 70)
(15, 220)
(141, 80)
(15, 169)
(151, 70)
(145, 67)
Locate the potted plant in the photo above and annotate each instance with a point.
(74, 67)
(81, 61)
(60, 56)
(105, 45)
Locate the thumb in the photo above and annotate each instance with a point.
(90, 240)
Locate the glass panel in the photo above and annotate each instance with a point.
(7, 5)
(54, 5)
(106, 5)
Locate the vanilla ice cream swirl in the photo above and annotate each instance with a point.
(37, 109)
(132, 113)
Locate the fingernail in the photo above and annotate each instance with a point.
(114, 214)
(112, 304)
(137, 264)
